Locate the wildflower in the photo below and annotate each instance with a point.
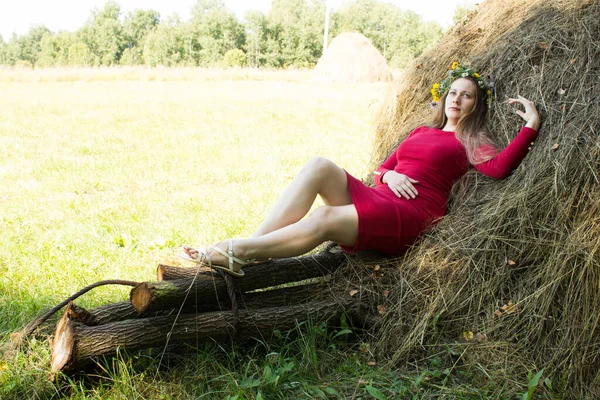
(454, 65)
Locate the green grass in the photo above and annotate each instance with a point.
(102, 178)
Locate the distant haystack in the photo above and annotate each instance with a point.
(352, 58)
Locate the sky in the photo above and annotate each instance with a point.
(69, 15)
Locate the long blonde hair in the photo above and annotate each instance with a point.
(471, 130)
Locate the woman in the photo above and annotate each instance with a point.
(411, 187)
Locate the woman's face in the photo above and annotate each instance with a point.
(460, 100)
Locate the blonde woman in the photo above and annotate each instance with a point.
(411, 190)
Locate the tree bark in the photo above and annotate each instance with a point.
(108, 313)
(166, 272)
(208, 289)
(271, 298)
(75, 344)
(327, 260)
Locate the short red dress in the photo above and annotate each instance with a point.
(436, 159)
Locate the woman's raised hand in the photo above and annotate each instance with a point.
(530, 115)
(401, 185)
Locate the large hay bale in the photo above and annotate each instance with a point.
(352, 58)
(532, 239)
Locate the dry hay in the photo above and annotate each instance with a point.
(515, 263)
(351, 58)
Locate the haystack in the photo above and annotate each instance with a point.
(352, 58)
(509, 282)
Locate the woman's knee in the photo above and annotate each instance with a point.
(320, 165)
(331, 222)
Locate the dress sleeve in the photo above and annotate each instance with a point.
(508, 159)
(389, 164)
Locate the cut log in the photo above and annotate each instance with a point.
(166, 272)
(271, 298)
(108, 313)
(155, 296)
(319, 261)
(75, 344)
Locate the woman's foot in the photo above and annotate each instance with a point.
(220, 256)
(193, 254)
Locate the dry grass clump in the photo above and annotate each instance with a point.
(352, 58)
(515, 263)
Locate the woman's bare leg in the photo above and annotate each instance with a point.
(336, 223)
(319, 176)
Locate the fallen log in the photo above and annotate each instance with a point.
(75, 344)
(203, 288)
(272, 298)
(108, 313)
(166, 272)
(326, 261)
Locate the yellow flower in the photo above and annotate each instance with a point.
(476, 75)
(436, 85)
(489, 92)
(454, 65)
(436, 98)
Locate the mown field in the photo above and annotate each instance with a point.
(105, 173)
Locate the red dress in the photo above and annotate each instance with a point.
(437, 160)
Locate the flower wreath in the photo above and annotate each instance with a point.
(456, 71)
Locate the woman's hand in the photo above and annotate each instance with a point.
(400, 184)
(530, 115)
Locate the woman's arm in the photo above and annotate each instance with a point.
(389, 164)
(508, 159)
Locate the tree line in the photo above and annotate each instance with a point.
(290, 34)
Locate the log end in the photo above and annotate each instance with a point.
(141, 297)
(160, 272)
(82, 315)
(63, 344)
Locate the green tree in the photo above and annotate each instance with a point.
(2, 51)
(103, 34)
(25, 49)
(296, 31)
(172, 43)
(79, 54)
(217, 29)
(256, 25)
(234, 58)
(49, 50)
(11, 51)
(136, 26)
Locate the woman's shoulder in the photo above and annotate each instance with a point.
(424, 129)
(421, 128)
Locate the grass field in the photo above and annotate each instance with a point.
(101, 178)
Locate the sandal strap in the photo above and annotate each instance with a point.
(232, 258)
(203, 255)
